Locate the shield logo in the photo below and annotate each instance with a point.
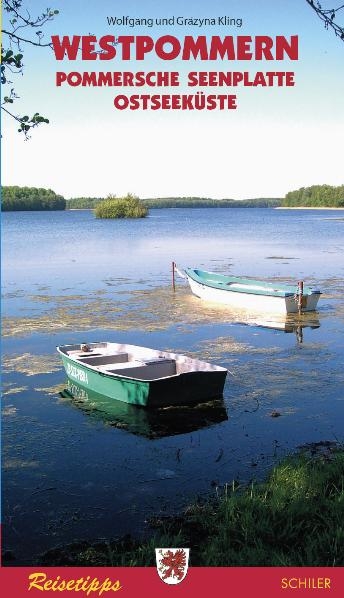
(172, 564)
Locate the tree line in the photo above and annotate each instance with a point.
(83, 203)
(181, 202)
(317, 196)
(33, 198)
(15, 199)
(208, 202)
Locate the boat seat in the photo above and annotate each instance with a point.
(111, 359)
(158, 368)
(124, 365)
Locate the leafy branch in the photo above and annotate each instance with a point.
(328, 17)
(19, 19)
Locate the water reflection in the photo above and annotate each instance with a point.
(151, 423)
(293, 323)
(215, 312)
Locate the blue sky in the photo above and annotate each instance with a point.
(277, 140)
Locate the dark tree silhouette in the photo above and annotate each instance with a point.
(19, 30)
(328, 16)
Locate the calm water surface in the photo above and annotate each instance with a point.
(77, 469)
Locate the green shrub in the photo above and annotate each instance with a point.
(129, 206)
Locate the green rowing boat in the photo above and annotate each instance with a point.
(142, 376)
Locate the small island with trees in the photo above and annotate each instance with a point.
(32, 198)
(129, 206)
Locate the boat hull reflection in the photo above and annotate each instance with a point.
(153, 423)
(289, 324)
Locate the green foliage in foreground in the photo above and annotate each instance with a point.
(30, 198)
(129, 206)
(316, 196)
(295, 518)
(208, 202)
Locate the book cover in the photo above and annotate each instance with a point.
(140, 140)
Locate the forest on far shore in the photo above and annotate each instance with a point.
(183, 202)
(317, 196)
(32, 198)
(16, 199)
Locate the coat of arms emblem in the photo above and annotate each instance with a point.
(172, 564)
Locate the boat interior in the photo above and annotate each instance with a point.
(133, 362)
(125, 364)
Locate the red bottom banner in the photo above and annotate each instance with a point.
(269, 582)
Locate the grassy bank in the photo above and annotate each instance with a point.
(295, 518)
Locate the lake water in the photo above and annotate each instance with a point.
(73, 471)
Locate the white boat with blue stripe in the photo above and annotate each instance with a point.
(247, 293)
